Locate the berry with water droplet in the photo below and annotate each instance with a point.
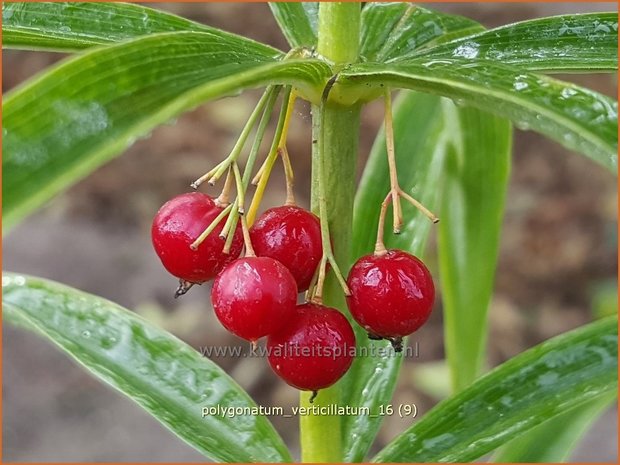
(292, 236)
(314, 349)
(177, 225)
(254, 297)
(392, 294)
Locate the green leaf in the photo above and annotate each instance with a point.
(578, 118)
(393, 30)
(554, 440)
(587, 42)
(72, 26)
(298, 22)
(537, 385)
(162, 374)
(419, 122)
(474, 184)
(62, 125)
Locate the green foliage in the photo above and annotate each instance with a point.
(298, 22)
(61, 126)
(475, 180)
(396, 30)
(144, 67)
(73, 26)
(567, 43)
(541, 383)
(165, 376)
(578, 118)
(554, 440)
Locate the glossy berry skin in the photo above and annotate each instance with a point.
(254, 296)
(392, 295)
(175, 227)
(314, 349)
(292, 236)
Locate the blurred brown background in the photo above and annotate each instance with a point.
(557, 265)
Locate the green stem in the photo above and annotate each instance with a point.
(321, 440)
(339, 32)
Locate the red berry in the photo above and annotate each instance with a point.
(292, 236)
(254, 296)
(314, 349)
(177, 224)
(392, 295)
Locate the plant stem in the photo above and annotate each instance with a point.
(339, 32)
(321, 440)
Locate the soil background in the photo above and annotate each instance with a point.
(557, 266)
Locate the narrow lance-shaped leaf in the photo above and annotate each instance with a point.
(555, 440)
(298, 22)
(578, 118)
(72, 26)
(60, 126)
(162, 374)
(568, 43)
(537, 385)
(473, 185)
(393, 30)
(421, 139)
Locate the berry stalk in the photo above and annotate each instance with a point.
(389, 142)
(396, 192)
(380, 244)
(224, 198)
(249, 250)
(231, 225)
(278, 140)
(267, 103)
(328, 254)
(211, 227)
(290, 177)
(213, 175)
(260, 134)
(282, 140)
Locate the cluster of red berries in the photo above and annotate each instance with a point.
(256, 296)
(310, 346)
